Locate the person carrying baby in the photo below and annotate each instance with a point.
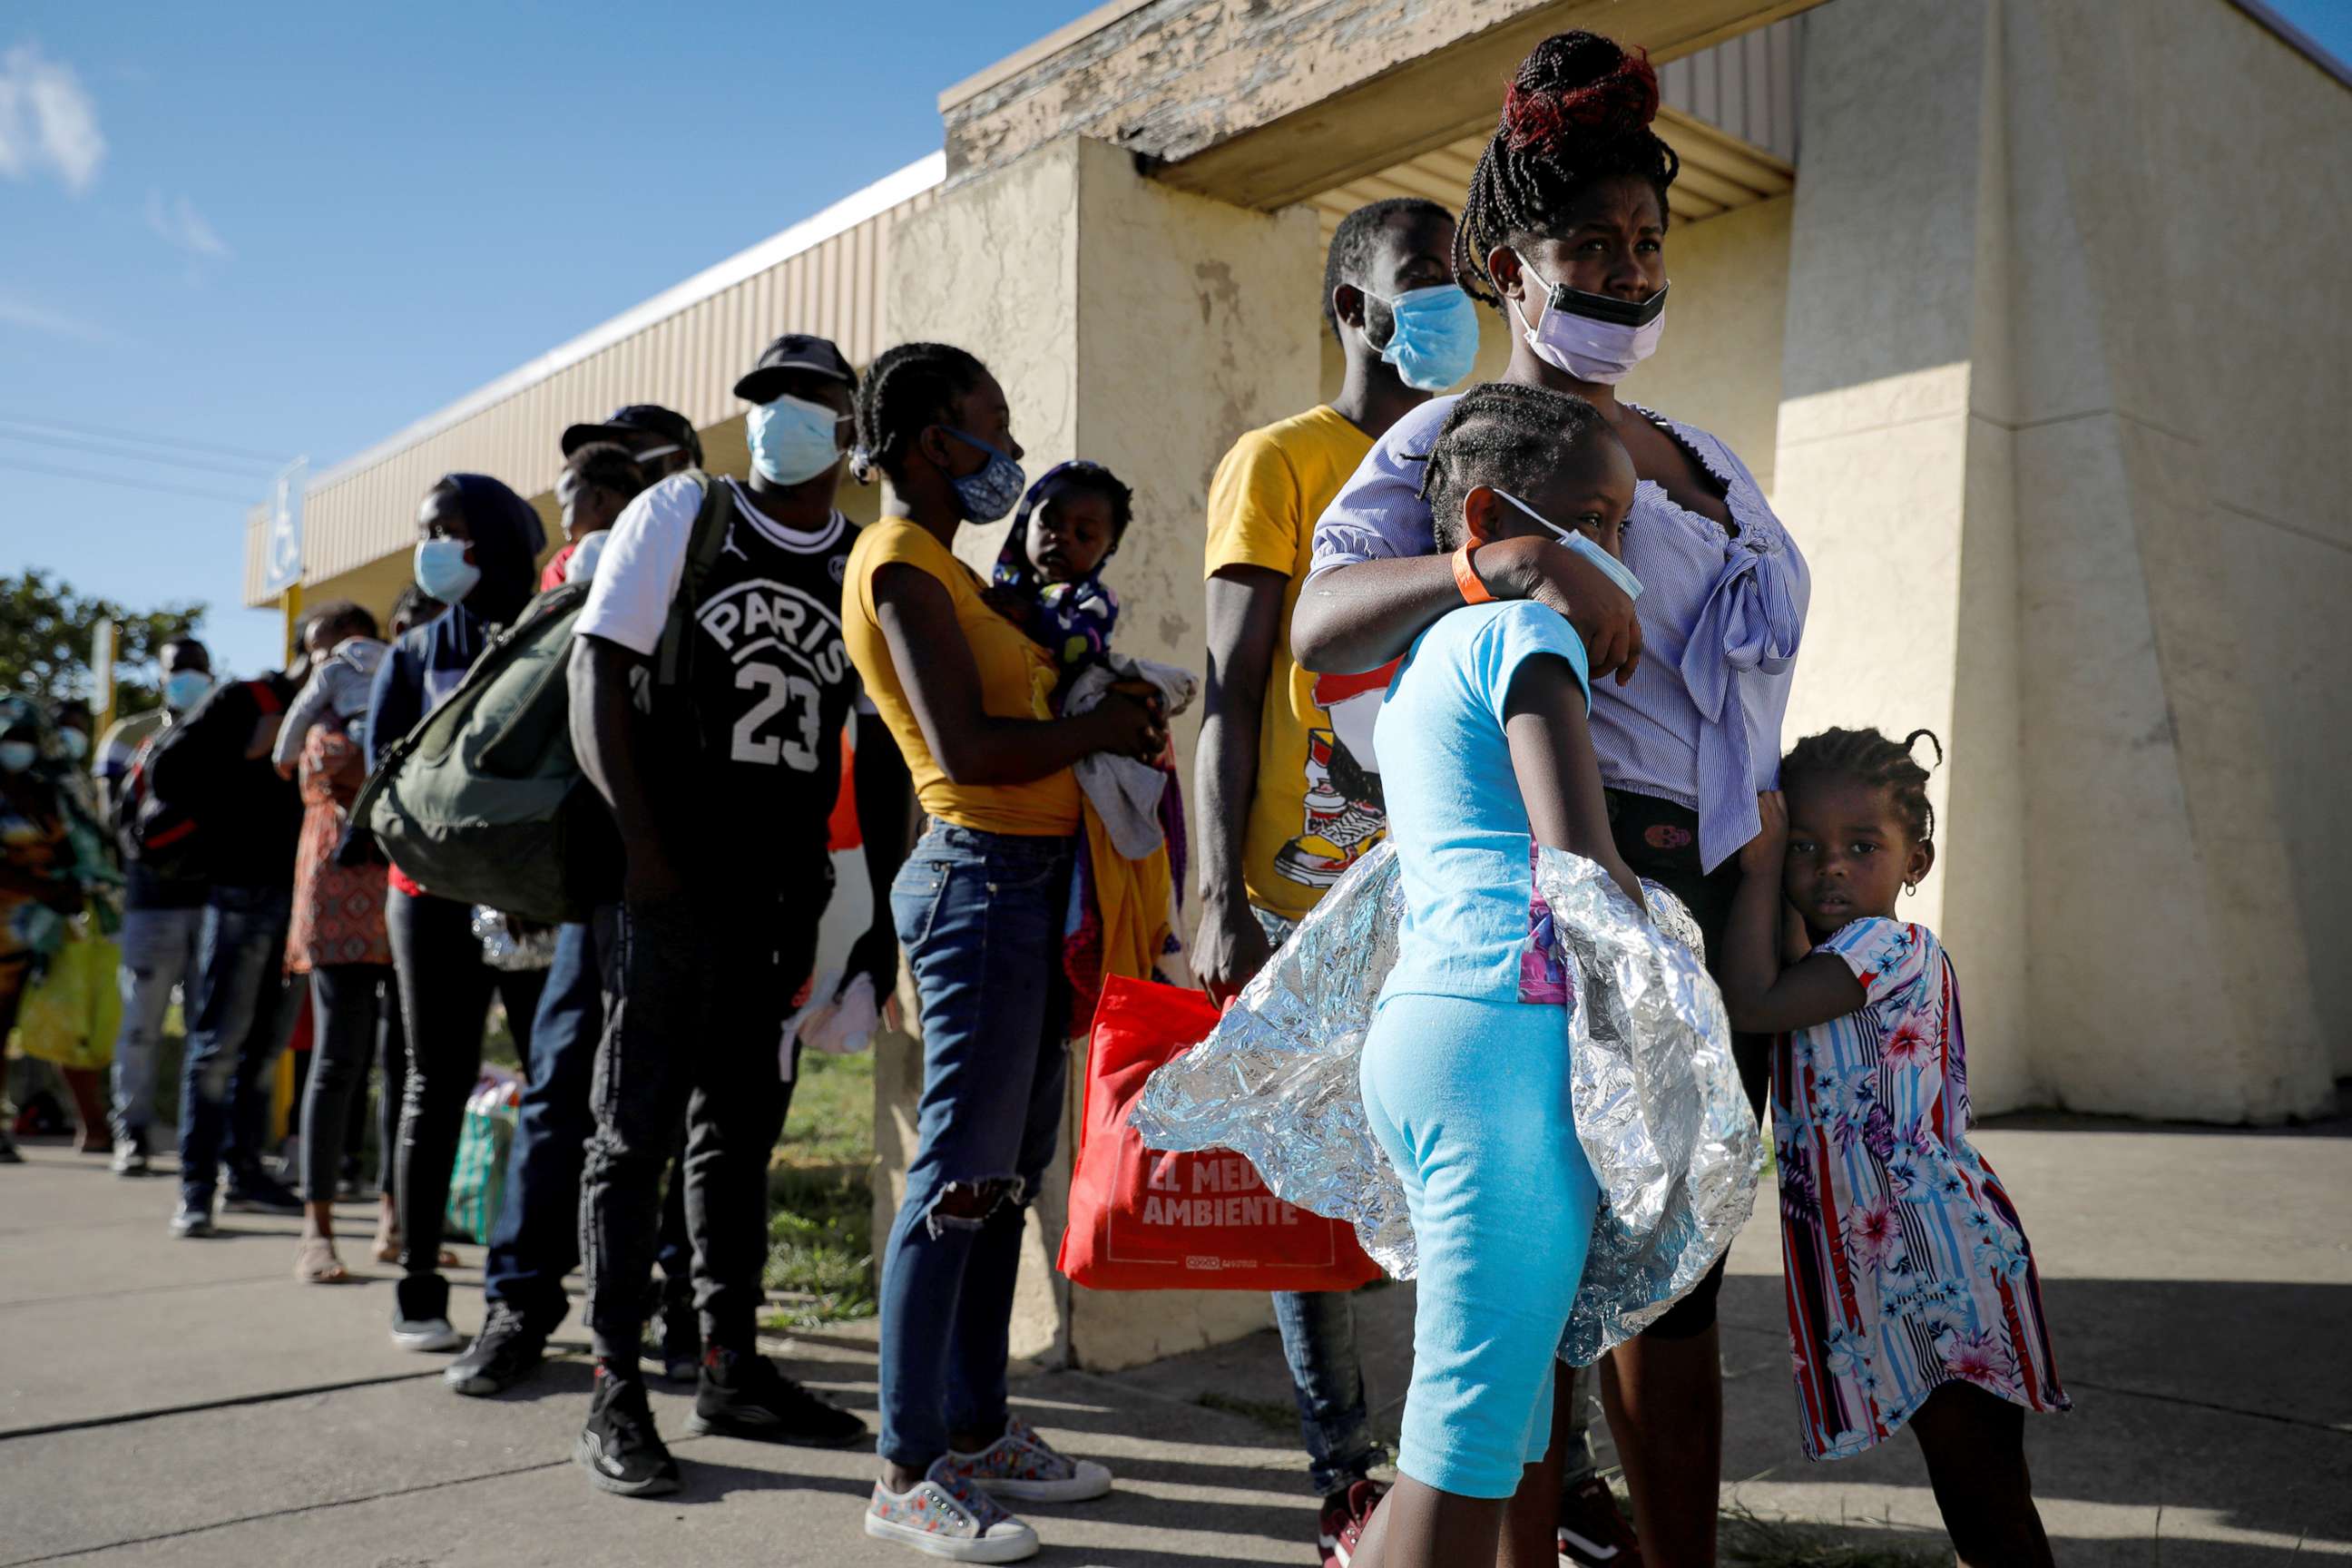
(1486, 754)
(345, 650)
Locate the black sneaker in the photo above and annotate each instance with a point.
(681, 1338)
(259, 1191)
(744, 1395)
(619, 1447)
(501, 1355)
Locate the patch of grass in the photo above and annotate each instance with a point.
(821, 1213)
(820, 1243)
(1274, 1415)
(1750, 1540)
(832, 1122)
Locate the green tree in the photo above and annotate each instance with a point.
(44, 641)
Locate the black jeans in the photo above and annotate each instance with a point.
(695, 994)
(536, 1240)
(1659, 840)
(352, 1006)
(444, 999)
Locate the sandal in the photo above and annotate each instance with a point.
(387, 1248)
(315, 1262)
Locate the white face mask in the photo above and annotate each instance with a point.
(1592, 337)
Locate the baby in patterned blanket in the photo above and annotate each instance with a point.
(1049, 575)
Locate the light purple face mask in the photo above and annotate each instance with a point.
(1593, 337)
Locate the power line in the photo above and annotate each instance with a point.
(160, 458)
(128, 484)
(214, 447)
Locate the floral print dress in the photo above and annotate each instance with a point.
(1906, 1265)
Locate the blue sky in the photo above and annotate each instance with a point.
(258, 229)
(281, 229)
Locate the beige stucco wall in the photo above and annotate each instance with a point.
(1143, 327)
(2051, 445)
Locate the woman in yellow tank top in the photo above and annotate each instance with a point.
(979, 907)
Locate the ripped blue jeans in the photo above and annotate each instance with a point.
(980, 916)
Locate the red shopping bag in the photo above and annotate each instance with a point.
(1145, 1220)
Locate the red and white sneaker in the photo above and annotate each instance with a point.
(1592, 1532)
(1345, 1515)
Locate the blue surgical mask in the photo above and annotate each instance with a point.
(1435, 339)
(185, 689)
(792, 440)
(15, 756)
(74, 743)
(443, 571)
(990, 493)
(1618, 571)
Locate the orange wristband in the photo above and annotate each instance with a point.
(1465, 577)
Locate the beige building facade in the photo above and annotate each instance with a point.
(2030, 315)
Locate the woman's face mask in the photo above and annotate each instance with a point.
(443, 571)
(1596, 338)
(1435, 339)
(990, 492)
(15, 756)
(185, 689)
(76, 745)
(794, 440)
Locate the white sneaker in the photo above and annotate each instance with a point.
(1022, 1466)
(425, 1333)
(945, 1515)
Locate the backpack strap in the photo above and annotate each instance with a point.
(710, 537)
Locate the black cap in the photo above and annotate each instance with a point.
(630, 425)
(793, 351)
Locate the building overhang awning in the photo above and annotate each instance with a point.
(1264, 106)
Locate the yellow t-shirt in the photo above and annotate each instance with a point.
(1016, 681)
(1316, 807)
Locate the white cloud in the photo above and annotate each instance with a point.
(47, 122)
(15, 311)
(180, 224)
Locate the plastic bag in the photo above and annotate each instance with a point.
(511, 944)
(72, 1014)
(477, 1181)
(1141, 1220)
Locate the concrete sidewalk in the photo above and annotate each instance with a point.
(187, 1403)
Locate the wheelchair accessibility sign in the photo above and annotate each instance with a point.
(281, 556)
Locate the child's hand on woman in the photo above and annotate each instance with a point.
(1763, 855)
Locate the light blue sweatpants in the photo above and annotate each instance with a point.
(1470, 1101)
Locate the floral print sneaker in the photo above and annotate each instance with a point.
(946, 1515)
(1020, 1465)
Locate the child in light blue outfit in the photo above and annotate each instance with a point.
(1484, 754)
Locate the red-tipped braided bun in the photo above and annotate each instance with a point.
(1577, 110)
(1538, 106)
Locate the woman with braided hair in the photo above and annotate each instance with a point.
(1563, 232)
(979, 907)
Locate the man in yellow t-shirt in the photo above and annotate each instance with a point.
(1288, 785)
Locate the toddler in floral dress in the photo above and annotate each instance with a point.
(1912, 1294)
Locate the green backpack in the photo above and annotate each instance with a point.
(485, 801)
